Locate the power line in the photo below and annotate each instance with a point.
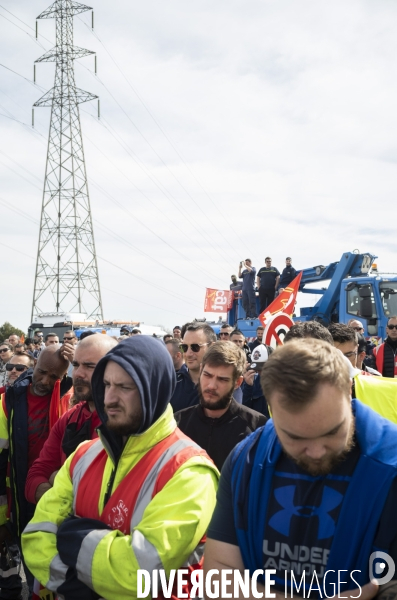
(146, 303)
(160, 186)
(107, 230)
(15, 250)
(18, 211)
(163, 132)
(25, 32)
(178, 296)
(16, 163)
(15, 25)
(19, 75)
(122, 207)
(36, 222)
(164, 241)
(147, 141)
(16, 173)
(115, 201)
(124, 241)
(151, 115)
(107, 289)
(28, 127)
(164, 214)
(20, 20)
(152, 177)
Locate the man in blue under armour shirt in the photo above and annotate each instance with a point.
(312, 493)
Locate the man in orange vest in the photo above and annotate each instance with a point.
(141, 495)
(386, 353)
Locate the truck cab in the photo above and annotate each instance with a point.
(371, 300)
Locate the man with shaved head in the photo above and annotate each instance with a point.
(77, 425)
(29, 409)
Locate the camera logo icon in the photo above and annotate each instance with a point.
(379, 563)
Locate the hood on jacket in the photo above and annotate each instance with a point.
(148, 362)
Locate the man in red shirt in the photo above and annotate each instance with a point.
(77, 425)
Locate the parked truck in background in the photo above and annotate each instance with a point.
(60, 322)
(355, 290)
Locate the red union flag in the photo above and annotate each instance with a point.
(218, 300)
(277, 317)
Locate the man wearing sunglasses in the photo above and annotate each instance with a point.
(197, 338)
(18, 364)
(356, 325)
(386, 353)
(6, 351)
(225, 332)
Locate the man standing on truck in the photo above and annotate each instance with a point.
(267, 283)
(235, 286)
(247, 273)
(287, 276)
(386, 353)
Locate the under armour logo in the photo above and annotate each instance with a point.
(281, 521)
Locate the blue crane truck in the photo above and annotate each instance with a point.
(355, 291)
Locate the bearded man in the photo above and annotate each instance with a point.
(218, 423)
(138, 498)
(291, 496)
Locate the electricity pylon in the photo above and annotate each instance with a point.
(66, 269)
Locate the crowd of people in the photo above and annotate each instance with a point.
(110, 453)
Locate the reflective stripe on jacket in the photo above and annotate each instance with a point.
(158, 526)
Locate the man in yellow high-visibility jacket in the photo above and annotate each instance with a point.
(144, 493)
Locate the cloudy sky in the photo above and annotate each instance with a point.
(229, 129)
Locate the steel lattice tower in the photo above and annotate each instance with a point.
(66, 268)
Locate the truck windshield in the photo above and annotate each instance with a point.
(388, 294)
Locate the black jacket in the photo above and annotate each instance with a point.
(219, 436)
(185, 393)
(287, 276)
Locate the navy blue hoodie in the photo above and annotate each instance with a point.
(149, 364)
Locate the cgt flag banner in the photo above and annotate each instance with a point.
(277, 317)
(218, 300)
